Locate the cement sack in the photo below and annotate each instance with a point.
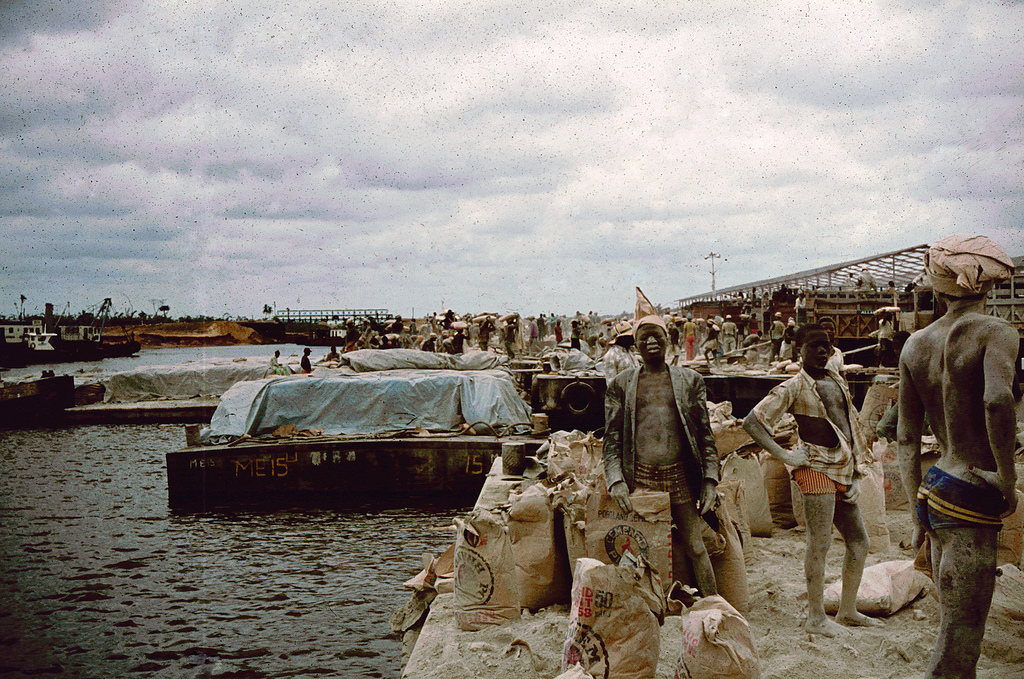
(569, 499)
(541, 567)
(780, 499)
(885, 453)
(877, 401)
(885, 589)
(717, 643)
(732, 493)
(646, 532)
(1008, 596)
(612, 632)
(1011, 537)
(486, 587)
(575, 453)
(575, 672)
(729, 436)
(872, 506)
(727, 560)
(755, 492)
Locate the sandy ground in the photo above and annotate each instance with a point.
(898, 650)
(212, 333)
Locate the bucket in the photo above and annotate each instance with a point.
(540, 424)
(513, 458)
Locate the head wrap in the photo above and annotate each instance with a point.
(646, 313)
(963, 266)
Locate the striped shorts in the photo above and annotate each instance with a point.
(813, 482)
(667, 478)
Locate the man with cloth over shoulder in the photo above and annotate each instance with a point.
(959, 372)
(658, 436)
(824, 464)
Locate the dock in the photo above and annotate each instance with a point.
(184, 411)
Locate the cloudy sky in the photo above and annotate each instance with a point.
(483, 155)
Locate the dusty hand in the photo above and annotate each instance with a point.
(708, 495)
(1004, 485)
(620, 493)
(851, 494)
(797, 457)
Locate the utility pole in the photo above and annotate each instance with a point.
(712, 256)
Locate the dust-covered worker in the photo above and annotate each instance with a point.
(824, 464)
(959, 372)
(658, 436)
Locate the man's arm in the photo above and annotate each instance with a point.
(763, 438)
(706, 441)
(612, 448)
(1000, 415)
(908, 438)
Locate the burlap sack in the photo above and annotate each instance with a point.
(576, 453)
(872, 506)
(732, 492)
(575, 672)
(486, 587)
(728, 563)
(717, 643)
(885, 453)
(541, 567)
(569, 501)
(1011, 537)
(1008, 597)
(755, 492)
(885, 588)
(646, 532)
(780, 499)
(612, 632)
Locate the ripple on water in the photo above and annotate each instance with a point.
(100, 579)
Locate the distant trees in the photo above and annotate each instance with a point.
(267, 310)
(165, 309)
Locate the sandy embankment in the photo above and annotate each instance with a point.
(778, 595)
(206, 334)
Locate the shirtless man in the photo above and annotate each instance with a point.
(824, 465)
(959, 371)
(658, 435)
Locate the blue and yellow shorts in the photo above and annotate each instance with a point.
(944, 501)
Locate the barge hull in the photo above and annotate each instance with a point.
(330, 472)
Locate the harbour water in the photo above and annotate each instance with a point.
(99, 579)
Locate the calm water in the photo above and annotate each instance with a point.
(99, 579)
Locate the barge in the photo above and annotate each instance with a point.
(333, 471)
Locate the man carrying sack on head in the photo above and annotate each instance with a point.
(658, 436)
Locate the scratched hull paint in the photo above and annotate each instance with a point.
(334, 472)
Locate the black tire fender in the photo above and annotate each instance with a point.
(578, 397)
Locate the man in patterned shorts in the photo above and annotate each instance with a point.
(824, 465)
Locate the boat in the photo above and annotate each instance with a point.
(33, 402)
(42, 341)
(333, 471)
(398, 431)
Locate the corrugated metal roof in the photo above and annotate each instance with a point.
(898, 266)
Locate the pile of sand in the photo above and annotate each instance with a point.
(210, 333)
(899, 650)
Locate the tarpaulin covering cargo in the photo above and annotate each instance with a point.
(369, 360)
(371, 403)
(180, 381)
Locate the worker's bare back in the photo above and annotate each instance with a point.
(961, 366)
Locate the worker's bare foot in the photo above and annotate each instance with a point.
(824, 627)
(857, 619)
